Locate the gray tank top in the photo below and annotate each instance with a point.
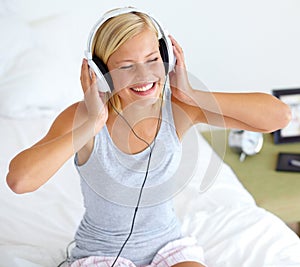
(111, 182)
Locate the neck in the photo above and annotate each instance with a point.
(137, 113)
(143, 121)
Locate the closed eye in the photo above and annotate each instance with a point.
(130, 66)
(152, 60)
(126, 67)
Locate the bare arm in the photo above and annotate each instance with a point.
(32, 167)
(251, 111)
(71, 131)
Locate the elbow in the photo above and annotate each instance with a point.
(282, 118)
(16, 184)
(285, 116)
(20, 179)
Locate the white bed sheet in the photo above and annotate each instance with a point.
(35, 228)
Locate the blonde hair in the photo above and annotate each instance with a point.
(116, 31)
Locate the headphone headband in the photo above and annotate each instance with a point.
(106, 17)
(115, 13)
(162, 34)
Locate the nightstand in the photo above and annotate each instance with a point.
(278, 192)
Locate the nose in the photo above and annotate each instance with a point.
(141, 71)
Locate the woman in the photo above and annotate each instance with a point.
(131, 142)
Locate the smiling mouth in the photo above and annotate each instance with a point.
(143, 87)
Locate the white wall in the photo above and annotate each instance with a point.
(230, 45)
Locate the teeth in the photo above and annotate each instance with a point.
(143, 88)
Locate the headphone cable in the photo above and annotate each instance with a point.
(144, 181)
(147, 169)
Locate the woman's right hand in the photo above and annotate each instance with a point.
(95, 101)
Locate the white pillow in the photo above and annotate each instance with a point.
(34, 86)
(43, 76)
(16, 37)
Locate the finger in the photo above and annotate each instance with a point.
(85, 76)
(103, 97)
(179, 57)
(84, 69)
(178, 52)
(172, 39)
(93, 77)
(175, 43)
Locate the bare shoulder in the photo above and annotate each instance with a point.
(185, 116)
(69, 119)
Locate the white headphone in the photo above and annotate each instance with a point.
(100, 69)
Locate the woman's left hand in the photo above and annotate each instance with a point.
(179, 82)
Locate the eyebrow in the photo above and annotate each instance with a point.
(131, 60)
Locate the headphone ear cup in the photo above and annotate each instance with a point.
(164, 54)
(105, 83)
(167, 54)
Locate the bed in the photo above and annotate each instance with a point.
(35, 228)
